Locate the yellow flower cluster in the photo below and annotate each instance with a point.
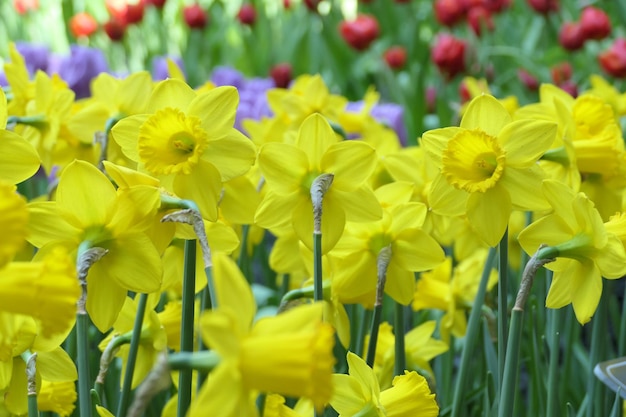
(127, 157)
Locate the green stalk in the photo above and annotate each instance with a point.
(186, 337)
(598, 342)
(471, 336)
(31, 378)
(82, 348)
(622, 330)
(32, 405)
(318, 286)
(503, 255)
(204, 361)
(382, 263)
(553, 369)
(511, 365)
(122, 406)
(242, 260)
(360, 339)
(400, 362)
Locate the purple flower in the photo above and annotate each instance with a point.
(391, 115)
(227, 76)
(35, 56)
(159, 67)
(79, 67)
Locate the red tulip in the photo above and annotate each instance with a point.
(361, 32)
(195, 16)
(395, 57)
(281, 74)
(431, 99)
(134, 13)
(613, 60)
(83, 24)
(570, 88)
(25, 6)
(544, 6)
(448, 54)
(115, 29)
(561, 72)
(479, 17)
(571, 36)
(595, 23)
(529, 80)
(312, 4)
(449, 12)
(156, 3)
(247, 14)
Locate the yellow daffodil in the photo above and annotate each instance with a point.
(358, 393)
(400, 229)
(89, 212)
(317, 151)
(59, 397)
(420, 348)
(585, 250)
(453, 291)
(187, 138)
(607, 92)
(289, 354)
(152, 342)
(13, 220)
(488, 166)
(18, 158)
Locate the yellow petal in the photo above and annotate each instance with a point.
(524, 188)
(284, 178)
(105, 297)
(85, 197)
(134, 92)
(18, 158)
(333, 222)
(56, 365)
(314, 138)
(233, 290)
(359, 205)
(276, 210)
(170, 93)
(351, 162)
(206, 196)
(489, 213)
(45, 225)
(525, 141)
(217, 109)
(232, 155)
(445, 199)
(487, 114)
(126, 134)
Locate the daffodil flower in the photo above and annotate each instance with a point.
(186, 139)
(290, 170)
(358, 394)
(585, 250)
(88, 211)
(488, 166)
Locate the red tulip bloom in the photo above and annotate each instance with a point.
(395, 57)
(247, 14)
(156, 3)
(25, 6)
(281, 74)
(361, 32)
(479, 17)
(312, 4)
(448, 54)
(570, 88)
(613, 60)
(595, 23)
(195, 16)
(115, 29)
(529, 80)
(544, 6)
(571, 36)
(449, 12)
(134, 13)
(561, 72)
(83, 24)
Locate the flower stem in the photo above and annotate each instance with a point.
(471, 336)
(82, 348)
(556, 317)
(186, 333)
(242, 260)
(31, 375)
(503, 253)
(319, 187)
(400, 362)
(511, 365)
(318, 286)
(360, 339)
(598, 343)
(132, 356)
(382, 263)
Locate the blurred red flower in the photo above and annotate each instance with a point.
(134, 12)
(595, 23)
(361, 32)
(571, 36)
(449, 12)
(25, 6)
(529, 80)
(247, 14)
(115, 29)
(561, 72)
(83, 24)
(395, 57)
(156, 3)
(195, 16)
(613, 60)
(544, 6)
(448, 54)
(479, 17)
(281, 74)
(312, 4)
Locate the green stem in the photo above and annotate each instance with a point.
(556, 317)
(509, 378)
(187, 324)
(471, 336)
(204, 361)
(400, 362)
(318, 286)
(503, 254)
(622, 329)
(242, 260)
(360, 339)
(371, 348)
(212, 301)
(32, 406)
(122, 406)
(82, 348)
(598, 342)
